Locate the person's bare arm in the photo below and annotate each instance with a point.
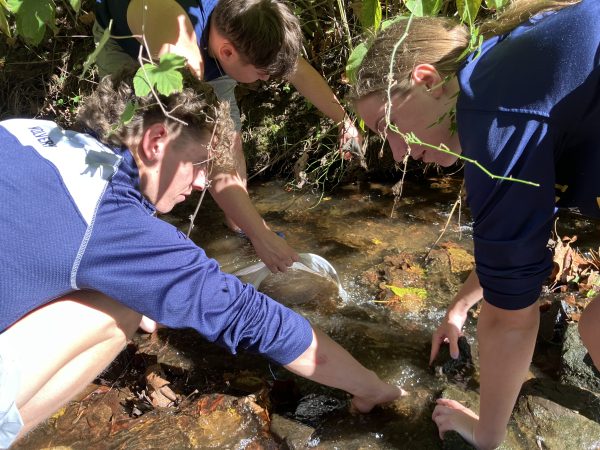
(315, 89)
(228, 190)
(167, 29)
(326, 362)
(451, 327)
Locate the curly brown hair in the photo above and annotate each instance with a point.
(191, 114)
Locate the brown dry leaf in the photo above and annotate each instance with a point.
(159, 392)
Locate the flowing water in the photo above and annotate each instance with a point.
(354, 230)
(369, 248)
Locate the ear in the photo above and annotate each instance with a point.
(153, 144)
(227, 52)
(427, 76)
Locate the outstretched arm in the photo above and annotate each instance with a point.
(450, 328)
(315, 89)
(326, 362)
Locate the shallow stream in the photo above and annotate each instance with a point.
(355, 231)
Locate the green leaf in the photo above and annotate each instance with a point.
(128, 113)
(165, 76)
(401, 292)
(32, 18)
(388, 22)
(422, 8)
(76, 5)
(370, 14)
(467, 10)
(4, 22)
(91, 59)
(496, 5)
(355, 60)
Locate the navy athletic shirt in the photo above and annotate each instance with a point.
(198, 11)
(72, 217)
(529, 107)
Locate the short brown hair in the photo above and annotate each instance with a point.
(265, 32)
(196, 106)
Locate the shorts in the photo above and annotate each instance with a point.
(10, 419)
(112, 59)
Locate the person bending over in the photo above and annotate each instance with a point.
(527, 106)
(84, 255)
(224, 42)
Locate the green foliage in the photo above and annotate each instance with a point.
(164, 77)
(4, 27)
(32, 17)
(91, 59)
(355, 60)
(403, 291)
(422, 8)
(467, 10)
(496, 4)
(370, 15)
(128, 113)
(76, 5)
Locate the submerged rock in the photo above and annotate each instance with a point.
(314, 407)
(293, 435)
(459, 370)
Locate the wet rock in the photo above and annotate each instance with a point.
(583, 401)
(294, 435)
(454, 441)
(553, 321)
(314, 407)
(551, 426)
(577, 367)
(459, 370)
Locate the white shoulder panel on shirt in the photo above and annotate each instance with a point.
(84, 164)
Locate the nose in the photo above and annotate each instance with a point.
(397, 145)
(200, 180)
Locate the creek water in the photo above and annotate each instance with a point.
(354, 229)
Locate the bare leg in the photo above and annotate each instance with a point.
(61, 347)
(589, 329)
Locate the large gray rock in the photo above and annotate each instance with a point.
(577, 367)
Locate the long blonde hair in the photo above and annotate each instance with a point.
(439, 41)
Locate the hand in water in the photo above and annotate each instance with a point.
(451, 415)
(448, 331)
(274, 251)
(388, 393)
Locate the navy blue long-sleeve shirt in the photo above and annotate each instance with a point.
(72, 217)
(529, 107)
